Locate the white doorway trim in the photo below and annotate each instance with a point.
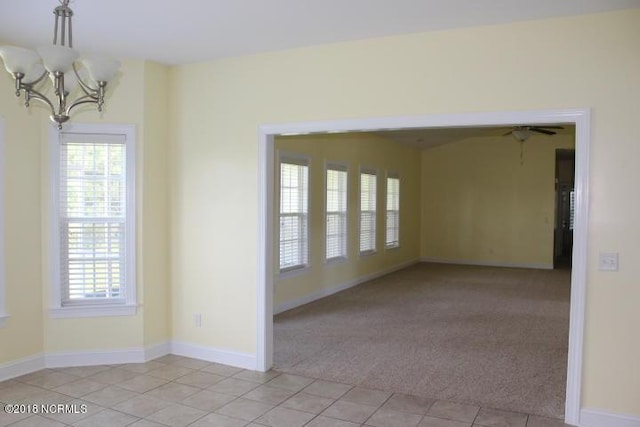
(580, 117)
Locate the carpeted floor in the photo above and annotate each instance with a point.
(494, 337)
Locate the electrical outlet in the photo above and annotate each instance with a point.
(608, 262)
(197, 320)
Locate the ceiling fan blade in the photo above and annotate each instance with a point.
(548, 127)
(508, 133)
(539, 130)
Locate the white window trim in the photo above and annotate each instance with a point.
(93, 308)
(344, 167)
(298, 159)
(370, 252)
(3, 294)
(395, 175)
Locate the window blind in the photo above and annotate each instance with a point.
(393, 211)
(367, 212)
(92, 203)
(294, 201)
(336, 212)
(572, 209)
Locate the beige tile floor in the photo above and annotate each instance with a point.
(179, 391)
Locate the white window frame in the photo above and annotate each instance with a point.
(97, 308)
(395, 244)
(3, 294)
(300, 160)
(341, 167)
(367, 252)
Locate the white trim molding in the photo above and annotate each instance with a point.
(93, 310)
(581, 118)
(339, 288)
(216, 355)
(106, 357)
(37, 362)
(127, 306)
(536, 266)
(154, 351)
(66, 359)
(598, 418)
(21, 367)
(95, 357)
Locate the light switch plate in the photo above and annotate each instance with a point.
(608, 261)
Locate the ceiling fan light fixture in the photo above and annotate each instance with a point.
(521, 134)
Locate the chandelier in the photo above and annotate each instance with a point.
(60, 63)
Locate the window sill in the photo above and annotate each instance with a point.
(392, 247)
(367, 253)
(294, 272)
(3, 319)
(336, 260)
(92, 311)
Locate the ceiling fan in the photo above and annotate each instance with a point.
(522, 133)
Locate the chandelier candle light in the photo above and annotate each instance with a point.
(26, 67)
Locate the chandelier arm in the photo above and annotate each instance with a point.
(87, 99)
(30, 94)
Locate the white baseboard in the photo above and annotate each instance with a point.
(487, 263)
(344, 286)
(126, 355)
(89, 358)
(20, 367)
(157, 350)
(106, 357)
(212, 354)
(598, 418)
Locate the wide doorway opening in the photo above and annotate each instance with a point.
(434, 269)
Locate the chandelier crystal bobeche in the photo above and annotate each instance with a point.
(30, 69)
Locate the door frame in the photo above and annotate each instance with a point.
(581, 118)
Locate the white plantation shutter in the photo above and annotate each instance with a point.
(367, 211)
(93, 218)
(393, 211)
(336, 212)
(294, 212)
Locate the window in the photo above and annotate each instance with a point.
(94, 231)
(393, 211)
(3, 307)
(294, 213)
(367, 212)
(336, 212)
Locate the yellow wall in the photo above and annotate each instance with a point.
(155, 206)
(586, 61)
(480, 205)
(22, 335)
(139, 98)
(356, 150)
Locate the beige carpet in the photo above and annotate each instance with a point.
(494, 337)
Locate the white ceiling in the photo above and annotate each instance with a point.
(185, 31)
(432, 137)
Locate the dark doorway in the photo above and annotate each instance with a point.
(565, 207)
